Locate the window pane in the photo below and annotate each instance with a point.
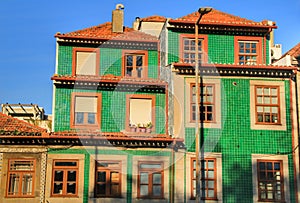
(58, 175)
(91, 118)
(210, 174)
(150, 166)
(13, 187)
(156, 178)
(71, 175)
(144, 190)
(57, 188)
(115, 190)
(27, 184)
(129, 60)
(101, 176)
(139, 60)
(67, 163)
(21, 165)
(79, 117)
(144, 178)
(157, 190)
(85, 63)
(114, 177)
(100, 189)
(71, 188)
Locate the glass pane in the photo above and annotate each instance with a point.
(259, 100)
(274, 110)
(150, 165)
(129, 61)
(139, 60)
(101, 176)
(21, 165)
(71, 176)
(13, 184)
(115, 190)
(267, 109)
(79, 117)
(144, 190)
(58, 175)
(262, 166)
(267, 100)
(262, 175)
(210, 164)
(269, 166)
(129, 71)
(27, 184)
(114, 177)
(266, 91)
(157, 190)
(139, 72)
(260, 109)
(57, 188)
(66, 163)
(156, 178)
(210, 174)
(91, 118)
(144, 178)
(71, 188)
(100, 189)
(274, 100)
(274, 91)
(210, 184)
(259, 91)
(277, 166)
(211, 193)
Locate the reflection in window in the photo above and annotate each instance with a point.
(270, 181)
(267, 104)
(65, 178)
(150, 181)
(108, 179)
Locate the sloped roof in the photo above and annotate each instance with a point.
(154, 18)
(104, 32)
(295, 51)
(216, 17)
(14, 126)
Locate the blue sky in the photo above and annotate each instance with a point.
(27, 29)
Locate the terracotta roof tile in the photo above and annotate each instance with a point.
(154, 18)
(295, 51)
(104, 32)
(14, 126)
(219, 18)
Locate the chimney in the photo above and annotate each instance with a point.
(136, 23)
(118, 18)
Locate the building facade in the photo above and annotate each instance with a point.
(124, 113)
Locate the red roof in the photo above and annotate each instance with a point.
(216, 17)
(14, 126)
(154, 18)
(295, 51)
(104, 32)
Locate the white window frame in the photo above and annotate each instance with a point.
(282, 104)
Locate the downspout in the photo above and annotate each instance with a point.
(293, 141)
(172, 177)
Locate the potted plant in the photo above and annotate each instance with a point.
(132, 127)
(149, 127)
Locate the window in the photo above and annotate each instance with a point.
(150, 180)
(248, 50)
(85, 110)
(188, 48)
(108, 179)
(140, 109)
(21, 175)
(208, 185)
(270, 181)
(206, 103)
(267, 104)
(86, 61)
(135, 64)
(65, 177)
